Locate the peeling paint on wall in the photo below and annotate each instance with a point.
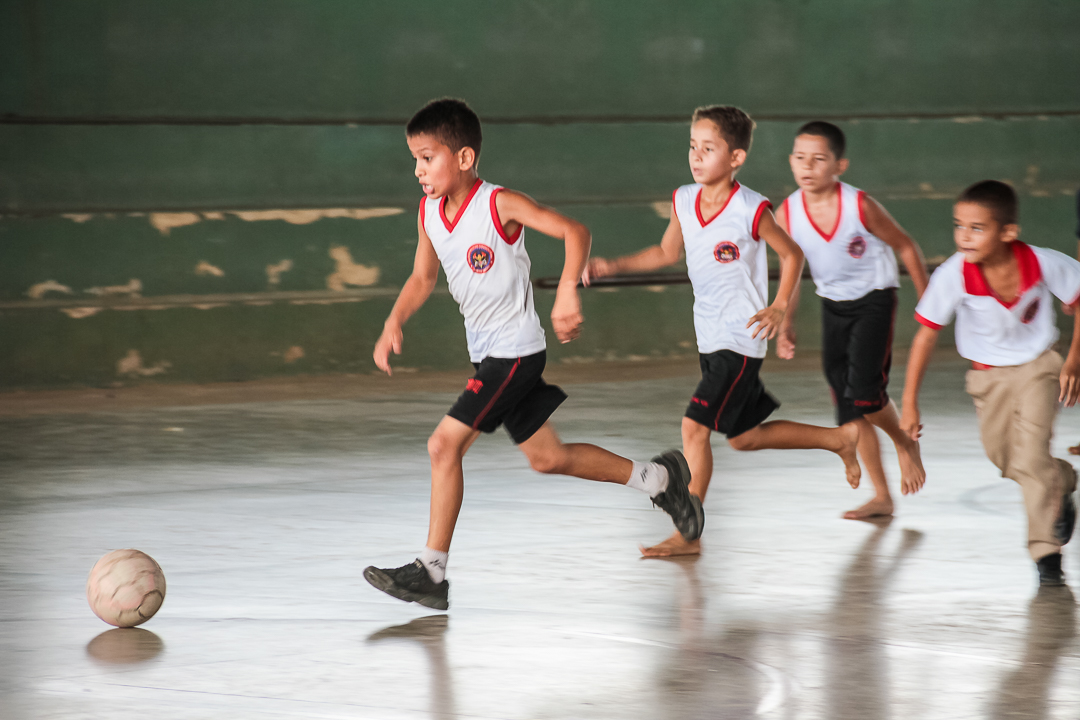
(663, 209)
(131, 365)
(213, 216)
(293, 354)
(38, 291)
(274, 272)
(78, 217)
(132, 289)
(205, 268)
(348, 271)
(306, 217)
(81, 312)
(165, 222)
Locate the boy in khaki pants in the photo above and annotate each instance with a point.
(999, 290)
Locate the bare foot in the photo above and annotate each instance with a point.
(674, 545)
(849, 433)
(912, 474)
(878, 507)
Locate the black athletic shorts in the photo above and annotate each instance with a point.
(730, 397)
(509, 392)
(856, 354)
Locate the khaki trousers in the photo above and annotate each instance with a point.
(1016, 407)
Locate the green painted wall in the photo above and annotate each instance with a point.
(189, 146)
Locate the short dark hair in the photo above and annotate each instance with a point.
(734, 124)
(995, 196)
(832, 134)
(451, 121)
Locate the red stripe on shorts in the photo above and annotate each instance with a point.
(480, 417)
(716, 423)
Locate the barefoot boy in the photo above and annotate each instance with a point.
(720, 224)
(999, 290)
(476, 231)
(848, 240)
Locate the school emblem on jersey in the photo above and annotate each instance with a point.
(726, 252)
(480, 258)
(1030, 312)
(857, 247)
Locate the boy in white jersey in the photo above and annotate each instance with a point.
(848, 240)
(475, 231)
(720, 225)
(1000, 292)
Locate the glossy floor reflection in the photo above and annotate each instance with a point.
(263, 514)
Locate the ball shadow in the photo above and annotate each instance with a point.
(124, 646)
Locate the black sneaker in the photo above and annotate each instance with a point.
(410, 583)
(685, 509)
(1050, 574)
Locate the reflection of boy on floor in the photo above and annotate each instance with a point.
(1000, 292)
(475, 230)
(720, 225)
(848, 240)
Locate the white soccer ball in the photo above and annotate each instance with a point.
(125, 588)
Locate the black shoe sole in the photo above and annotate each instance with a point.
(677, 467)
(381, 581)
(1066, 522)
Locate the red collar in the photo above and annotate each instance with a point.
(1030, 275)
(839, 213)
(461, 210)
(697, 204)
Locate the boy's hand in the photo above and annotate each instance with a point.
(767, 321)
(597, 268)
(566, 315)
(785, 343)
(909, 421)
(389, 340)
(1070, 381)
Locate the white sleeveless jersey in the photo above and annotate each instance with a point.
(726, 261)
(488, 274)
(851, 261)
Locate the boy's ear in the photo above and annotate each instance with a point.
(1010, 232)
(738, 157)
(466, 158)
(842, 166)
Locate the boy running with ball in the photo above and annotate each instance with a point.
(475, 230)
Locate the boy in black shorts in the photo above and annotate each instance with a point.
(849, 241)
(474, 230)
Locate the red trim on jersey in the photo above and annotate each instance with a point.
(673, 194)
(498, 223)
(928, 323)
(1030, 274)
(697, 205)
(765, 204)
(716, 423)
(461, 210)
(862, 210)
(484, 412)
(423, 214)
(839, 214)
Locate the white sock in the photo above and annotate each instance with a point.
(435, 562)
(650, 478)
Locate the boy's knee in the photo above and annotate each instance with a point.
(546, 463)
(441, 449)
(693, 430)
(742, 442)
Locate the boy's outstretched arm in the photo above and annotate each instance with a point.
(769, 320)
(516, 209)
(416, 290)
(922, 347)
(1070, 371)
(785, 340)
(654, 257)
(878, 221)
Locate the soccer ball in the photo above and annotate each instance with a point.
(125, 588)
